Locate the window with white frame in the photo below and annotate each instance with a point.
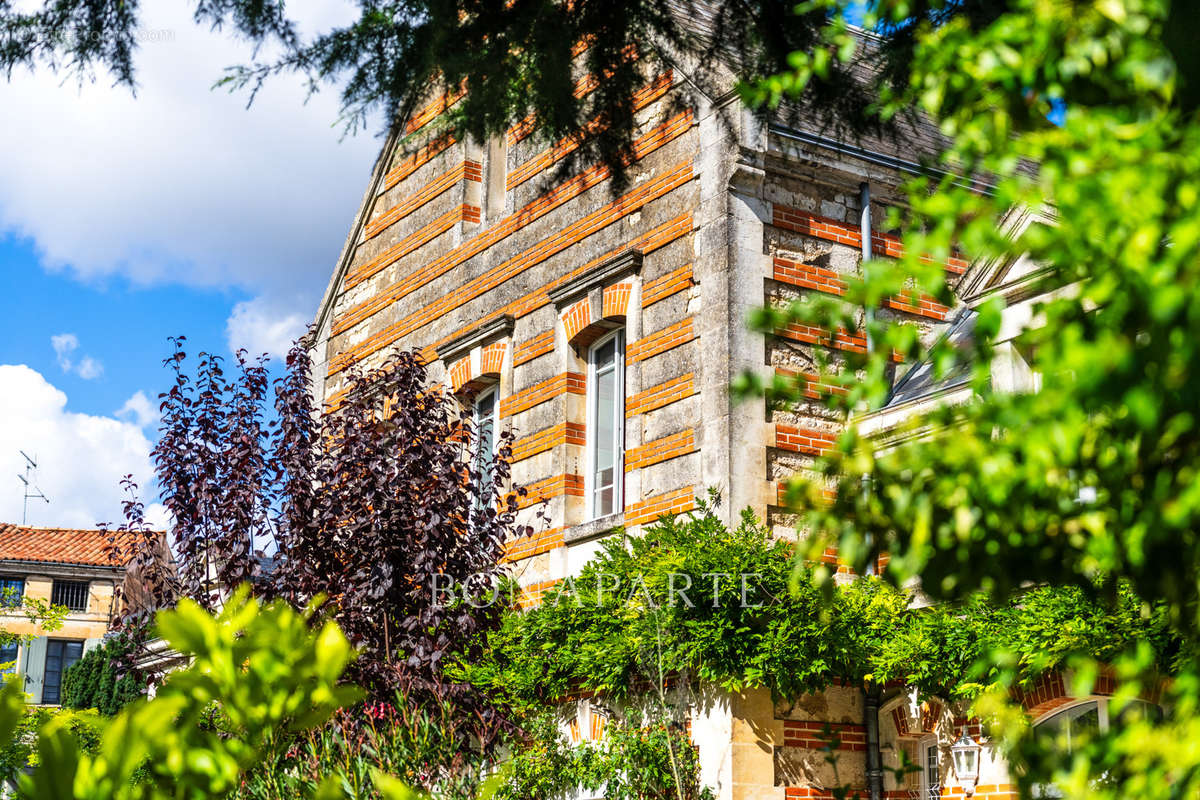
(606, 425)
(931, 776)
(487, 422)
(1069, 728)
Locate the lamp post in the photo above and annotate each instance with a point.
(965, 753)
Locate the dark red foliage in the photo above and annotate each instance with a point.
(366, 507)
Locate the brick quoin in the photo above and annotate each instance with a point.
(409, 244)
(668, 285)
(652, 508)
(803, 440)
(661, 395)
(564, 383)
(567, 484)
(813, 388)
(469, 170)
(659, 450)
(800, 221)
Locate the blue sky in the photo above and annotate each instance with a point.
(123, 326)
(127, 219)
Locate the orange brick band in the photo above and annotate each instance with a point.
(421, 236)
(555, 486)
(548, 439)
(806, 276)
(569, 144)
(532, 211)
(662, 340)
(565, 383)
(532, 594)
(801, 221)
(659, 450)
(539, 345)
(810, 334)
(814, 389)
(410, 164)
(529, 546)
(466, 169)
(662, 395)
(648, 242)
(667, 285)
(797, 733)
(537, 254)
(432, 110)
(803, 440)
(650, 509)
(583, 87)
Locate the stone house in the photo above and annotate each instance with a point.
(64, 567)
(604, 330)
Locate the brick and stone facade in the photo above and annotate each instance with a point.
(503, 272)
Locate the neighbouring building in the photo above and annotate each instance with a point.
(604, 332)
(63, 567)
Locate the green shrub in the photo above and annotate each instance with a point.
(101, 680)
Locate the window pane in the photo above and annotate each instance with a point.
(606, 409)
(60, 654)
(12, 591)
(8, 655)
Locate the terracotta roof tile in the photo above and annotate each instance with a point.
(58, 545)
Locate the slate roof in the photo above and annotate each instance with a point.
(59, 545)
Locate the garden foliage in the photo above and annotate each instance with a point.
(1081, 117)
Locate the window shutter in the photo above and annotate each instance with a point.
(35, 668)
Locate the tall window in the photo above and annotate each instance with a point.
(72, 594)
(487, 409)
(931, 778)
(60, 654)
(606, 424)
(12, 592)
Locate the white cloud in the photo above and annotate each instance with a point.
(81, 457)
(261, 326)
(183, 184)
(65, 345)
(139, 410)
(89, 368)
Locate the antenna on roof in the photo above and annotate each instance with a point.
(31, 487)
